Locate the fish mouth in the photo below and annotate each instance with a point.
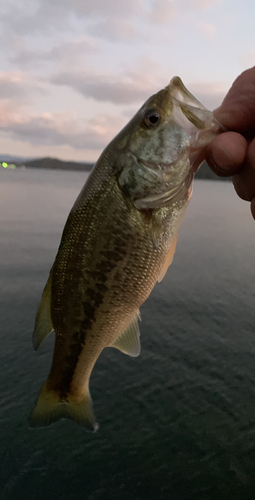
(168, 193)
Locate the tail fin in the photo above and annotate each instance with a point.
(49, 408)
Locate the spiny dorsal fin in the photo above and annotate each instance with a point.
(43, 323)
(169, 259)
(129, 340)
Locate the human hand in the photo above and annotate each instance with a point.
(232, 153)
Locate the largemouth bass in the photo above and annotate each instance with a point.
(118, 241)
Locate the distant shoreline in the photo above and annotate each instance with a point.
(55, 164)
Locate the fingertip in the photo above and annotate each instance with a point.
(226, 153)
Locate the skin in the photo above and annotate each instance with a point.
(233, 152)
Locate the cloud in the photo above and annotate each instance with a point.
(100, 7)
(128, 87)
(115, 29)
(207, 30)
(201, 4)
(130, 26)
(9, 113)
(162, 12)
(67, 130)
(103, 87)
(45, 16)
(112, 20)
(19, 86)
(209, 94)
(66, 53)
(60, 129)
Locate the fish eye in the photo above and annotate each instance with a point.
(151, 118)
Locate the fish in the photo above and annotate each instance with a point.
(117, 243)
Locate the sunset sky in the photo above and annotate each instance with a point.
(74, 71)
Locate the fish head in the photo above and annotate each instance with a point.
(163, 145)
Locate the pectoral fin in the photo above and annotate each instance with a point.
(43, 323)
(129, 341)
(169, 259)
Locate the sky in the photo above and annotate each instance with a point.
(73, 72)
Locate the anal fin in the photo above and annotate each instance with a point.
(169, 259)
(129, 340)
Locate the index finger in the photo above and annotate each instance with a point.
(237, 111)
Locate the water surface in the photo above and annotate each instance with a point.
(178, 422)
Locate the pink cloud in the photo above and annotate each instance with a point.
(201, 4)
(127, 87)
(54, 129)
(163, 11)
(209, 94)
(207, 30)
(19, 85)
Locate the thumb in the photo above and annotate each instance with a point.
(237, 111)
(226, 153)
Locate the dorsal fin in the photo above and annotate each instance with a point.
(43, 323)
(169, 259)
(129, 340)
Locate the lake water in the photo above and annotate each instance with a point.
(176, 423)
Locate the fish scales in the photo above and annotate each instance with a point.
(124, 280)
(118, 240)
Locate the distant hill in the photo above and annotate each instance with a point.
(203, 173)
(55, 164)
